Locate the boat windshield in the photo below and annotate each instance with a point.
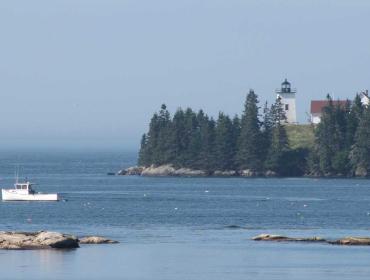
(22, 186)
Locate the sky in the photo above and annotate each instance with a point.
(90, 74)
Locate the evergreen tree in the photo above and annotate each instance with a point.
(206, 158)
(179, 138)
(144, 159)
(249, 143)
(353, 116)
(224, 149)
(324, 138)
(152, 140)
(267, 128)
(334, 139)
(236, 126)
(360, 154)
(163, 152)
(279, 140)
(191, 139)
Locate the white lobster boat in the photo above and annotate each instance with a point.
(24, 192)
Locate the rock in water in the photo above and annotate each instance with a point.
(37, 240)
(56, 240)
(135, 170)
(349, 241)
(361, 241)
(271, 237)
(96, 240)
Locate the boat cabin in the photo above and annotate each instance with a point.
(24, 187)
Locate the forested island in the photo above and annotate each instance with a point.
(257, 142)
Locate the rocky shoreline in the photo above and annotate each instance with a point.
(46, 240)
(348, 241)
(169, 170)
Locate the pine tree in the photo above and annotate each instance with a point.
(206, 158)
(325, 138)
(333, 139)
(236, 123)
(360, 154)
(178, 138)
(249, 143)
(279, 140)
(144, 159)
(191, 139)
(353, 116)
(224, 149)
(267, 128)
(163, 151)
(152, 140)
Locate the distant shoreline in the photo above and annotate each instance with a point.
(170, 171)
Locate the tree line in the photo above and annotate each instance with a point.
(257, 141)
(342, 143)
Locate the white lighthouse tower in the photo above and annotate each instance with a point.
(287, 97)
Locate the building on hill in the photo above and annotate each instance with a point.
(287, 96)
(317, 107)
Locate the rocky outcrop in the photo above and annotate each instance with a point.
(170, 170)
(364, 241)
(135, 170)
(281, 238)
(226, 173)
(46, 240)
(361, 172)
(37, 240)
(96, 240)
(349, 241)
(162, 170)
(250, 173)
(270, 173)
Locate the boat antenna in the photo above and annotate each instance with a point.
(16, 174)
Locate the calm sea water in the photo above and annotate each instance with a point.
(181, 228)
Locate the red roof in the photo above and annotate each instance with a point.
(318, 105)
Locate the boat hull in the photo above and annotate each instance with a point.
(11, 195)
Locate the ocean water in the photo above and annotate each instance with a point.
(181, 228)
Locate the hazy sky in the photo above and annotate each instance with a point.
(88, 73)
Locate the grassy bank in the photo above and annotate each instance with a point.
(300, 136)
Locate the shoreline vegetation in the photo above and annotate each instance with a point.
(259, 143)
